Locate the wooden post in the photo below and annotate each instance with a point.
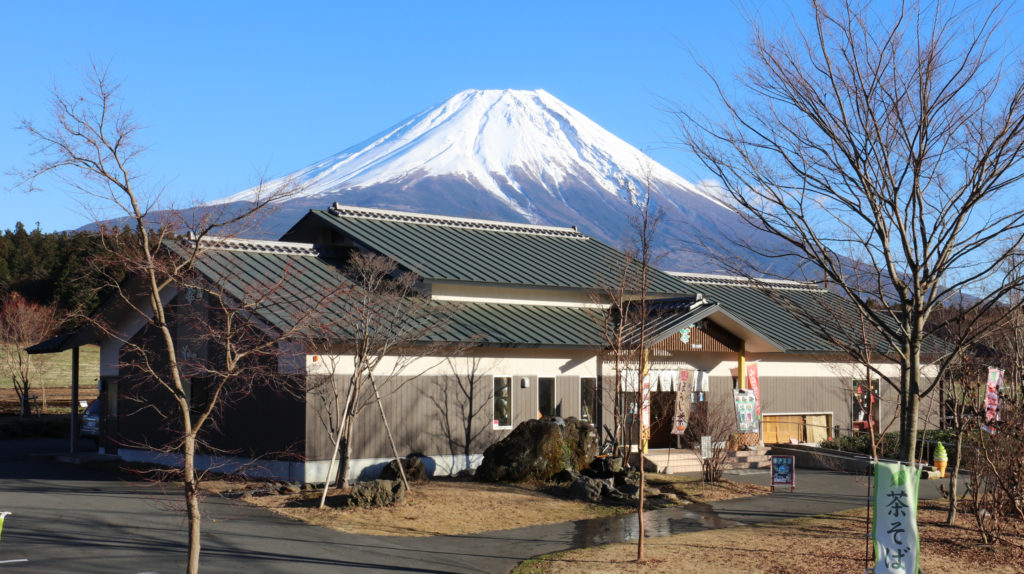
(74, 400)
(741, 367)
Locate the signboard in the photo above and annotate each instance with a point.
(705, 447)
(784, 471)
(993, 402)
(746, 415)
(682, 411)
(895, 523)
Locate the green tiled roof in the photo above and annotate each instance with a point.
(763, 312)
(291, 282)
(783, 315)
(468, 250)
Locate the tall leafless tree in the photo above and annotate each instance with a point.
(92, 146)
(890, 136)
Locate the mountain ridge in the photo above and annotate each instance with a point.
(516, 155)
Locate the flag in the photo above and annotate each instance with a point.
(754, 384)
(993, 403)
(897, 546)
(682, 410)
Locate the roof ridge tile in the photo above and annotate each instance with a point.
(457, 222)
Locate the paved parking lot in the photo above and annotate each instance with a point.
(67, 518)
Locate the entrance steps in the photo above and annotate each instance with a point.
(673, 460)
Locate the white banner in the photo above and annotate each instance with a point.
(662, 381)
(895, 525)
(993, 402)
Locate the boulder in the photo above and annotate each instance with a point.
(589, 489)
(415, 471)
(629, 490)
(289, 488)
(377, 493)
(606, 465)
(540, 449)
(565, 475)
(624, 478)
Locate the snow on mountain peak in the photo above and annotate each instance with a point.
(493, 139)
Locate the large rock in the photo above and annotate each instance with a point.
(588, 489)
(377, 493)
(540, 449)
(415, 471)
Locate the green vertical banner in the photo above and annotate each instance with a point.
(897, 545)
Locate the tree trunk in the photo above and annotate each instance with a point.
(951, 515)
(640, 512)
(191, 503)
(391, 438)
(342, 479)
(911, 383)
(909, 446)
(331, 467)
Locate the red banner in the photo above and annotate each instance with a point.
(754, 384)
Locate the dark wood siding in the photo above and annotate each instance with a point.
(567, 396)
(706, 338)
(434, 415)
(257, 418)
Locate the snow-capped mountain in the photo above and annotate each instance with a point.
(514, 155)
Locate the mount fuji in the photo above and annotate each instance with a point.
(521, 156)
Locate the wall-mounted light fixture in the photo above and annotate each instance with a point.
(524, 383)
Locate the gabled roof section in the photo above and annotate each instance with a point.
(439, 248)
(746, 300)
(784, 315)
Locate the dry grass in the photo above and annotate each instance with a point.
(693, 489)
(834, 543)
(438, 507)
(450, 506)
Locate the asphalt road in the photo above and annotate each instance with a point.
(67, 518)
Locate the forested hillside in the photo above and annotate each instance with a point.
(63, 268)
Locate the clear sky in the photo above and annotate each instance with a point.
(228, 91)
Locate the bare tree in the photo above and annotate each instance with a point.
(386, 328)
(22, 324)
(718, 422)
(92, 147)
(888, 139)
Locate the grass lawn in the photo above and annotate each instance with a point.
(55, 377)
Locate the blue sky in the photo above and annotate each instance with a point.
(231, 90)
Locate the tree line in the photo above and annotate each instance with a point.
(63, 269)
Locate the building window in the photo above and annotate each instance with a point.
(502, 402)
(546, 397)
(588, 399)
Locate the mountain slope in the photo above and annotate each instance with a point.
(519, 156)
